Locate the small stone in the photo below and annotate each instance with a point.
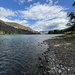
(41, 66)
(39, 58)
(61, 65)
(44, 72)
(54, 68)
(48, 68)
(53, 59)
(57, 65)
(68, 69)
(47, 61)
(59, 71)
(63, 68)
(49, 71)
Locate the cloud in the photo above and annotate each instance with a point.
(29, 0)
(22, 22)
(50, 24)
(39, 11)
(6, 12)
(22, 1)
(56, 2)
(47, 16)
(51, 1)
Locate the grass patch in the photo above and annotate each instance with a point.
(70, 38)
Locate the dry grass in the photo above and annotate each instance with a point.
(70, 38)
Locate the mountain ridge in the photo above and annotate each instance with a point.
(15, 28)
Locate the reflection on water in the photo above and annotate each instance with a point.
(18, 53)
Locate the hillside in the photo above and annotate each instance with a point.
(14, 28)
(18, 26)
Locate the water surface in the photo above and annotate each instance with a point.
(18, 53)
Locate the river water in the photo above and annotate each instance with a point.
(18, 53)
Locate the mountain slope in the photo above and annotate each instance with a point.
(14, 28)
(18, 26)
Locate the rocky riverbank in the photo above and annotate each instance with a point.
(59, 59)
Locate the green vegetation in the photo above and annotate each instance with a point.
(71, 34)
(72, 19)
(71, 23)
(70, 38)
(56, 32)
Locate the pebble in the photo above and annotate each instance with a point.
(53, 59)
(49, 71)
(63, 68)
(54, 68)
(41, 66)
(59, 71)
(68, 69)
(39, 58)
(57, 65)
(61, 65)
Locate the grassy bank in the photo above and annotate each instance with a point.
(70, 37)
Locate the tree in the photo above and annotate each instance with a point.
(72, 16)
(73, 4)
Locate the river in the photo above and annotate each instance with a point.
(18, 53)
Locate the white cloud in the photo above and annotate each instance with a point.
(50, 1)
(50, 25)
(56, 2)
(47, 16)
(39, 12)
(29, 0)
(22, 1)
(22, 22)
(6, 12)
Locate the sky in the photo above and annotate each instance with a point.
(40, 15)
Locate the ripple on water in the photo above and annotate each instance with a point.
(18, 53)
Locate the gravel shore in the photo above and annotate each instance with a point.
(59, 59)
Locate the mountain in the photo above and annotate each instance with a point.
(18, 26)
(15, 28)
